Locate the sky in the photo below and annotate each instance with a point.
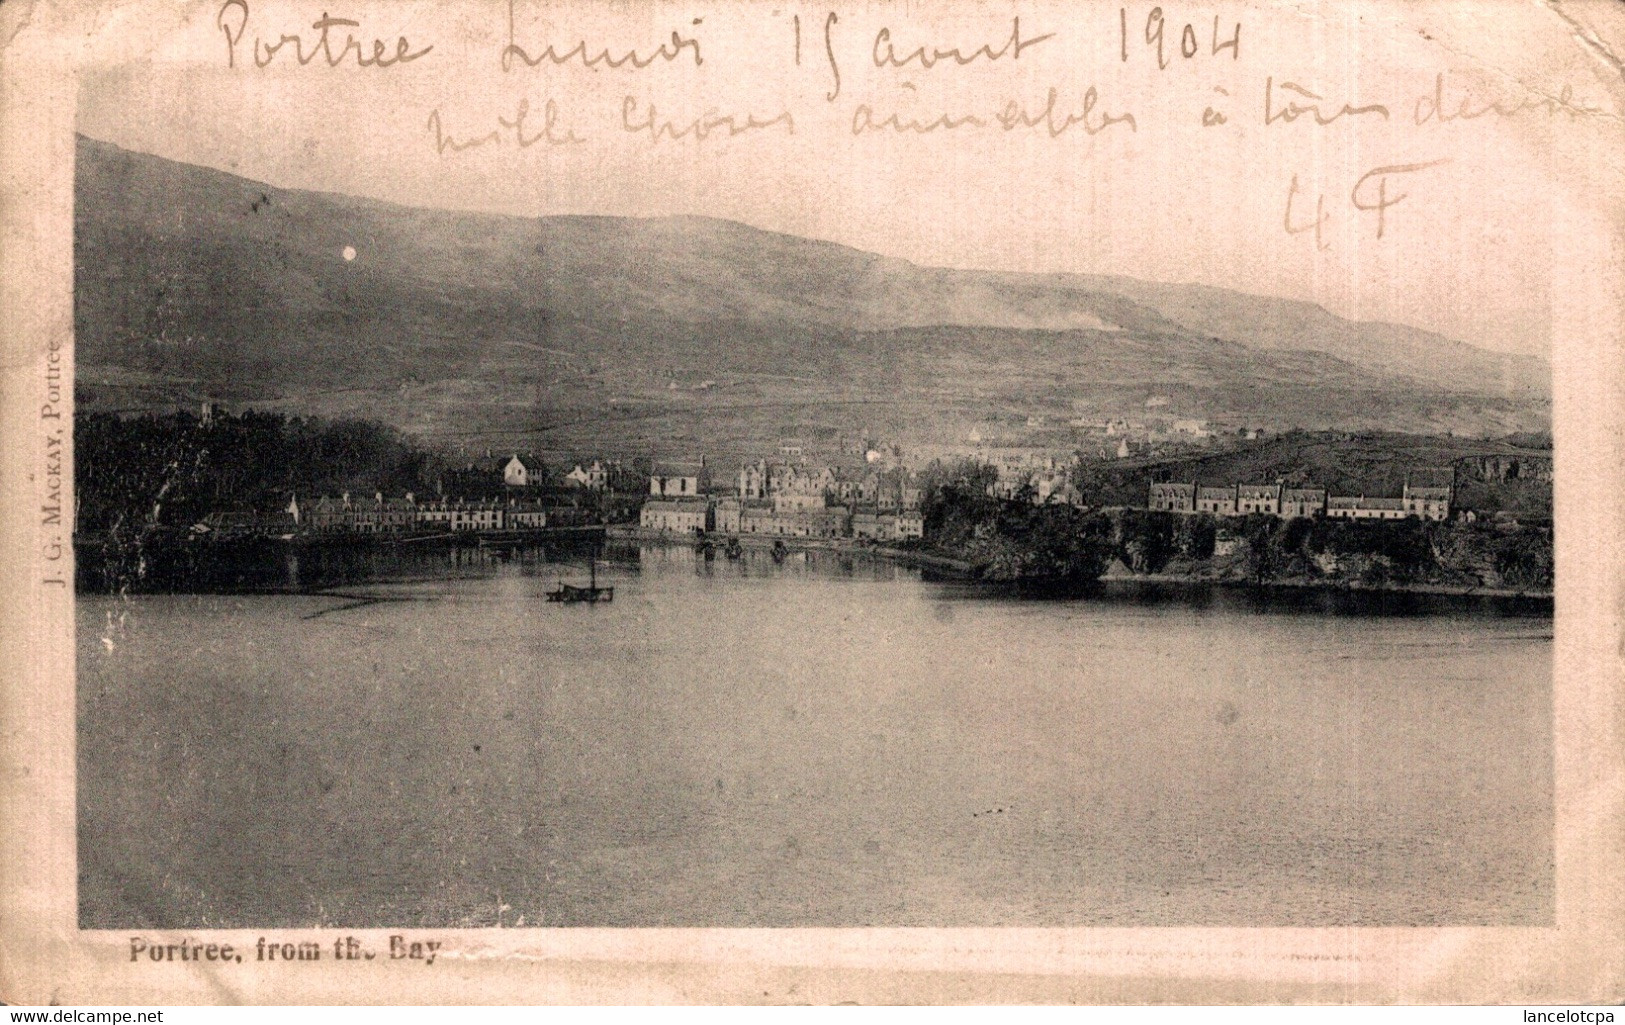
(1479, 206)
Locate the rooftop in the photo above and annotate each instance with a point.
(678, 468)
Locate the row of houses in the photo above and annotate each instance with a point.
(736, 516)
(787, 482)
(798, 486)
(1423, 502)
(379, 514)
(785, 498)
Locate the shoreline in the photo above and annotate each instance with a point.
(343, 539)
(965, 570)
(846, 546)
(1459, 590)
(944, 566)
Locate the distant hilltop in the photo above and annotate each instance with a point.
(628, 334)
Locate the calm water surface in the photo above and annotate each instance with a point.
(822, 743)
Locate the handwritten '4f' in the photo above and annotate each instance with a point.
(1369, 195)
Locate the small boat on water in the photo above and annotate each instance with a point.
(734, 549)
(780, 550)
(591, 594)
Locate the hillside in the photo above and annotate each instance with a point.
(685, 333)
(1270, 323)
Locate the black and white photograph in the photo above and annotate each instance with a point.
(551, 467)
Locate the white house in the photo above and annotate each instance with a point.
(593, 478)
(677, 480)
(516, 474)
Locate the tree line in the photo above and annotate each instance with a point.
(1374, 553)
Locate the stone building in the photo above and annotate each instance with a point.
(1217, 501)
(910, 525)
(1258, 498)
(1172, 497)
(594, 477)
(515, 474)
(676, 515)
(1302, 503)
(678, 479)
(1429, 503)
(1359, 507)
(727, 514)
(525, 516)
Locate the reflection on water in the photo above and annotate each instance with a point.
(182, 567)
(416, 738)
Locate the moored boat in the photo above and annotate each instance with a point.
(591, 594)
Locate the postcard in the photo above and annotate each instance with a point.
(518, 501)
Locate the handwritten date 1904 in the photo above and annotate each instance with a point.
(1156, 38)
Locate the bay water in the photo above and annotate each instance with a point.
(830, 741)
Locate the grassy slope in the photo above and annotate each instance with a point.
(568, 332)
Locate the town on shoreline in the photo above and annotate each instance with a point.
(995, 512)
